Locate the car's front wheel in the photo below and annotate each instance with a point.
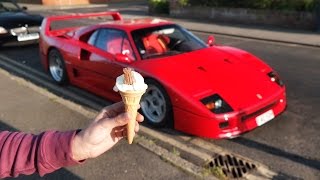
(156, 106)
(57, 68)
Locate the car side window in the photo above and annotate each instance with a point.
(113, 41)
(93, 38)
(101, 41)
(9, 6)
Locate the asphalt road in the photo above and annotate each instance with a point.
(290, 143)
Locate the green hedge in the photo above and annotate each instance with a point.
(298, 5)
(162, 6)
(159, 6)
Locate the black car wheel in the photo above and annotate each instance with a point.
(156, 106)
(57, 67)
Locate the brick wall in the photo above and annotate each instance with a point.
(30, 1)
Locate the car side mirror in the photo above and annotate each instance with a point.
(24, 8)
(211, 41)
(123, 58)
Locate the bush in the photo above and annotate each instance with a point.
(297, 5)
(159, 6)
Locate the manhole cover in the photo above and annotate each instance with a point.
(231, 166)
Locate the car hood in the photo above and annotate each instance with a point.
(238, 77)
(10, 20)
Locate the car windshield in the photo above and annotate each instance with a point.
(165, 40)
(6, 6)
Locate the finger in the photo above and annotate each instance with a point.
(120, 133)
(117, 107)
(137, 127)
(111, 123)
(114, 109)
(101, 115)
(119, 120)
(120, 128)
(109, 111)
(140, 118)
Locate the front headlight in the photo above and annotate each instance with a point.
(216, 104)
(3, 30)
(274, 77)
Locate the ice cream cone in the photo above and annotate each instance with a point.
(131, 100)
(131, 87)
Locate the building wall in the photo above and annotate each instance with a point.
(70, 2)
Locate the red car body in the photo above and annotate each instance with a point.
(248, 85)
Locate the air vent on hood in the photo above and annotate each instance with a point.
(202, 68)
(227, 61)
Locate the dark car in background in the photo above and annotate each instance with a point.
(17, 25)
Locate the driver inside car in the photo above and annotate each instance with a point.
(156, 43)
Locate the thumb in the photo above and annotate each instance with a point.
(120, 120)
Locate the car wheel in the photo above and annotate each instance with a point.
(156, 106)
(57, 67)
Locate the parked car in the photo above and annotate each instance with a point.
(16, 25)
(198, 88)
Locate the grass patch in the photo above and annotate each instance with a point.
(215, 171)
(139, 138)
(175, 151)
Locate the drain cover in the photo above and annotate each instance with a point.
(231, 166)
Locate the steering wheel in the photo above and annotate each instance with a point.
(180, 41)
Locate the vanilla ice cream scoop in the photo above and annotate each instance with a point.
(138, 84)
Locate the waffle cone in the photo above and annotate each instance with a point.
(131, 100)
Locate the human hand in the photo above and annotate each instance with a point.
(108, 128)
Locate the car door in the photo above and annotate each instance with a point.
(100, 61)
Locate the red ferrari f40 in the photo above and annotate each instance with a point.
(196, 87)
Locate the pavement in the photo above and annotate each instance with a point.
(28, 108)
(147, 158)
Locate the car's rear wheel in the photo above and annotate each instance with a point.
(57, 67)
(156, 106)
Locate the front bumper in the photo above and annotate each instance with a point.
(227, 125)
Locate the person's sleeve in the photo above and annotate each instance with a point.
(22, 153)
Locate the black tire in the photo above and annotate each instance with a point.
(57, 68)
(156, 106)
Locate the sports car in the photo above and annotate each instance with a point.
(194, 86)
(16, 25)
